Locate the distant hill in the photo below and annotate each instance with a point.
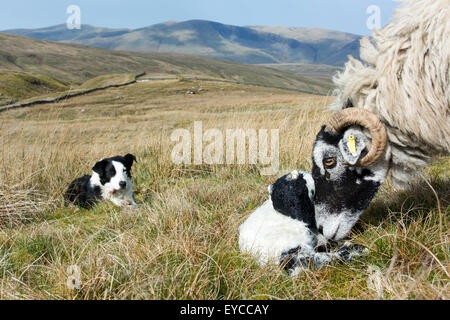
(72, 63)
(307, 70)
(332, 47)
(253, 44)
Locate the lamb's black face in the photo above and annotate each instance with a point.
(343, 191)
(292, 196)
(115, 173)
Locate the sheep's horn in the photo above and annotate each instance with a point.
(357, 116)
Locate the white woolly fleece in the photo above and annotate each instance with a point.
(266, 234)
(405, 81)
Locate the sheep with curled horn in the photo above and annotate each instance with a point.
(351, 160)
(404, 80)
(394, 114)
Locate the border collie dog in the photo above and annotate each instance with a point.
(283, 230)
(110, 180)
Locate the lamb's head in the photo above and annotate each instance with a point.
(350, 162)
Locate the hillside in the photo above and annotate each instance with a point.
(19, 85)
(306, 70)
(255, 45)
(77, 64)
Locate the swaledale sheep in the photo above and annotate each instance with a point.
(404, 80)
(394, 115)
(346, 175)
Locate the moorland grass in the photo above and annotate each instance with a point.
(182, 241)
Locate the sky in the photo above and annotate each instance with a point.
(342, 15)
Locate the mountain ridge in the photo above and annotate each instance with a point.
(247, 44)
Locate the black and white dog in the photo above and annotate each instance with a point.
(110, 180)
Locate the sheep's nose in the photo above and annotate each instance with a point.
(122, 184)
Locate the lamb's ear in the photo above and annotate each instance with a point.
(129, 159)
(100, 167)
(353, 145)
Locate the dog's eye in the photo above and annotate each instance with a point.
(329, 162)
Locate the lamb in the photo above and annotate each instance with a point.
(404, 80)
(283, 230)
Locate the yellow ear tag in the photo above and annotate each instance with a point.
(352, 144)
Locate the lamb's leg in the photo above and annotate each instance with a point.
(298, 259)
(350, 250)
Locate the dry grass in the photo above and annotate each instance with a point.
(16, 204)
(182, 241)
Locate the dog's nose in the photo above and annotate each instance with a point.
(122, 184)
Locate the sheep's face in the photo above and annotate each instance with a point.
(343, 190)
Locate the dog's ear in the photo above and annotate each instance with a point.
(100, 167)
(129, 158)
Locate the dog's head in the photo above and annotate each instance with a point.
(114, 174)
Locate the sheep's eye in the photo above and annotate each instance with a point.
(329, 162)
